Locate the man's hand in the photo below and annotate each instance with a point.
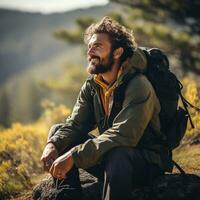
(62, 165)
(49, 155)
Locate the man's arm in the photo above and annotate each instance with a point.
(73, 132)
(128, 126)
(78, 125)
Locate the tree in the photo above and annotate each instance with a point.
(170, 25)
(4, 109)
(74, 36)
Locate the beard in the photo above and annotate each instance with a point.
(98, 66)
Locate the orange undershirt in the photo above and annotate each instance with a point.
(106, 90)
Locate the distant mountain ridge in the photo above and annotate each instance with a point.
(26, 38)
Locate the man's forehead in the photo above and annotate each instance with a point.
(99, 37)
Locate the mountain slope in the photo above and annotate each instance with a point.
(26, 38)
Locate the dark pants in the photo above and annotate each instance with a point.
(122, 170)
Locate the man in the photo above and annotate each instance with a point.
(122, 104)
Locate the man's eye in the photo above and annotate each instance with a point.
(97, 45)
(94, 46)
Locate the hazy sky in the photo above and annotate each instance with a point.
(49, 6)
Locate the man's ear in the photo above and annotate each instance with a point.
(118, 53)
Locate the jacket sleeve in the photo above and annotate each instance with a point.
(75, 129)
(128, 126)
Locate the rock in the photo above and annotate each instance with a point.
(171, 187)
(46, 190)
(167, 187)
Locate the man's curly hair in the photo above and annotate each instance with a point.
(119, 35)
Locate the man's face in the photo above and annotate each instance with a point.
(100, 55)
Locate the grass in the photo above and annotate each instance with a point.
(188, 157)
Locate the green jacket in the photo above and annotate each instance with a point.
(136, 124)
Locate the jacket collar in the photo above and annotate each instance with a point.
(138, 62)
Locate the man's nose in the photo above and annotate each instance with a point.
(90, 51)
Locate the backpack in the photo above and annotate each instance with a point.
(173, 118)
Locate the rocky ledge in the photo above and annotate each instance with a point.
(167, 187)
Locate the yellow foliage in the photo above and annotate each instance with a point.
(54, 114)
(4, 176)
(188, 158)
(192, 94)
(21, 148)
